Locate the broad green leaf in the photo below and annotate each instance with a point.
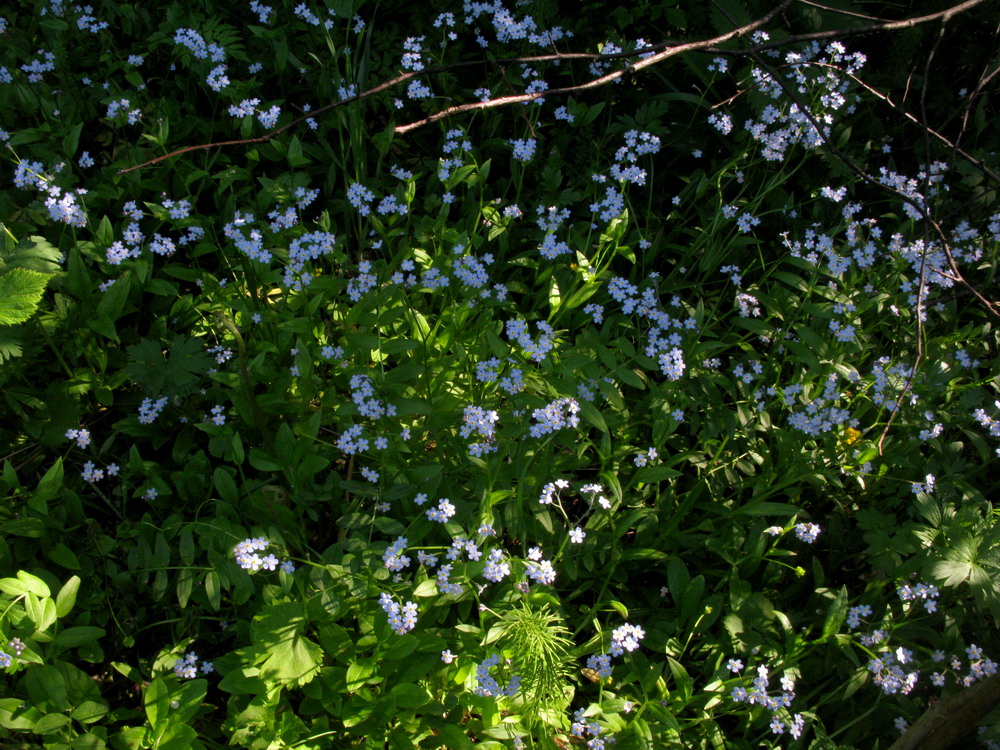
(62, 555)
(426, 588)
(157, 702)
(175, 736)
(48, 488)
(89, 711)
(244, 681)
(17, 715)
(33, 253)
(78, 635)
(50, 723)
(409, 695)
(20, 292)
(24, 583)
(186, 699)
(294, 661)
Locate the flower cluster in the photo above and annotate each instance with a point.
(482, 423)
(187, 667)
(487, 685)
(758, 694)
(626, 638)
(247, 558)
(550, 490)
(888, 673)
(496, 567)
(643, 458)
(442, 512)
(524, 149)
(555, 416)
(537, 350)
(401, 619)
(539, 569)
(81, 436)
(927, 593)
(807, 532)
(854, 615)
(582, 729)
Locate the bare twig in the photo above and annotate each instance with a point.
(905, 23)
(600, 80)
(403, 78)
(842, 12)
(922, 285)
(954, 146)
(666, 49)
(983, 81)
(925, 214)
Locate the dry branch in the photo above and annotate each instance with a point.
(666, 49)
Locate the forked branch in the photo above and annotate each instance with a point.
(661, 51)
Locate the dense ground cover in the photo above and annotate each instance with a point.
(500, 376)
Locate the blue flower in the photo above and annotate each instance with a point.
(523, 149)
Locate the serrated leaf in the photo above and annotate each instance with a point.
(10, 345)
(34, 254)
(173, 371)
(293, 661)
(20, 292)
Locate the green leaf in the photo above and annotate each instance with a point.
(157, 702)
(62, 555)
(294, 661)
(409, 695)
(72, 140)
(48, 488)
(186, 546)
(41, 611)
(88, 741)
(66, 598)
(186, 700)
(836, 613)
(213, 589)
(225, 485)
(89, 712)
(20, 292)
(79, 635)
(10, 345)
(176, 737)
(401, 648)
(185, 584)
(426, 588)
(16, 714)
(263, 462)
(358, 673)
(243, 681)
(592, 414)
(50, 723)
(456, 737)
(34, 254)
(651, 474)
(24, 583)
(173, 371)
